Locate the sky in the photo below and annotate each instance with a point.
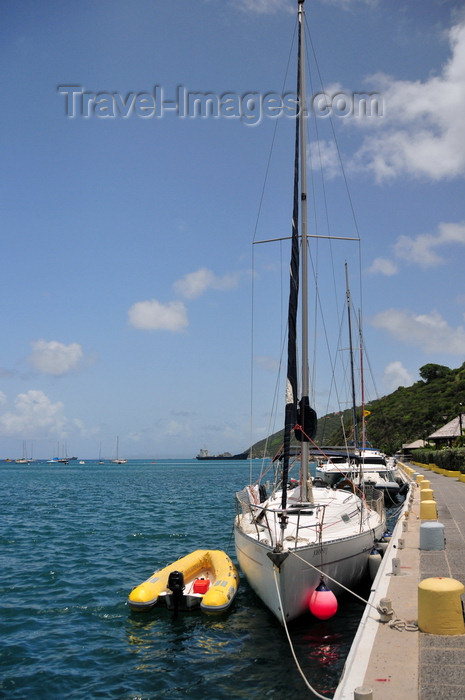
(128, 217)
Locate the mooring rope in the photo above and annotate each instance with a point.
(299, 668)
(396, 623)
(403, 625)
(322, 573)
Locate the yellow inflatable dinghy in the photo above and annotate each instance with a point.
(205, 578)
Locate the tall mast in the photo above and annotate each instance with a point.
(299, 416)
(307, 494)
(352, 372)
(362, 383)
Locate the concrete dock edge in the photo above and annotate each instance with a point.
(394, 663)
(382, 657)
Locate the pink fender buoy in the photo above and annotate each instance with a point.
(323, 602)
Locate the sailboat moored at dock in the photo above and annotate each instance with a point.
(292, 536)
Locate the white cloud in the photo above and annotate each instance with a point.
(423, 129)
(175, 428)
(421, 249)
(33, 414)
(2, 398)
(395, 375)
(153, 315)
(429, 332)
(261, 7)
(52, 357)
(172, 316)
(324, 155)
(196, 283)
(81, 428)
(383, 266)
(269, 364)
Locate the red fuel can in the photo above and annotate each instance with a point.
(201, 585)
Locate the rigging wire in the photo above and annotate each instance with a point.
(315, 154)
(397, 623)
(319, 317)
(257, 219)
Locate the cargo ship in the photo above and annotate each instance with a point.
(204, 454)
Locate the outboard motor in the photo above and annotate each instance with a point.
(176, 585)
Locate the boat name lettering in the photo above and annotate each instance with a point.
(319, 550)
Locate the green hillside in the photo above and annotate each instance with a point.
(408, 414)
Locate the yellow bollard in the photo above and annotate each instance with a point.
(440, 606)
(420, 478)
(425, 484)
(428, 510)
(427, 495)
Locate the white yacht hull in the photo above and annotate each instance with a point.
(286, 582)
(345, 561)
(331, 476)
(381, 479)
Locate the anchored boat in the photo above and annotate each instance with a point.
(359, 465)
(205, 578)
(362, 466)
(294, 536)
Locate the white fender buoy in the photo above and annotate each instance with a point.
(374, 561)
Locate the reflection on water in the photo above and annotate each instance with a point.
(248, 640)
(324, 647)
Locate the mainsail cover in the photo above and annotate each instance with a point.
(290, 416)
(305, 416)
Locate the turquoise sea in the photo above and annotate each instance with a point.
(75, 539)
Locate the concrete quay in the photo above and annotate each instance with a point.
(395, 661)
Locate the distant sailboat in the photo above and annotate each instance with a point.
(59, 460)
(118, 460)
(64, 454)
(23, 459)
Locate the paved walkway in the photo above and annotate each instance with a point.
(442, 658)
(403, 665)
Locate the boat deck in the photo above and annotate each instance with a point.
(306, 523)
(401, 664)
